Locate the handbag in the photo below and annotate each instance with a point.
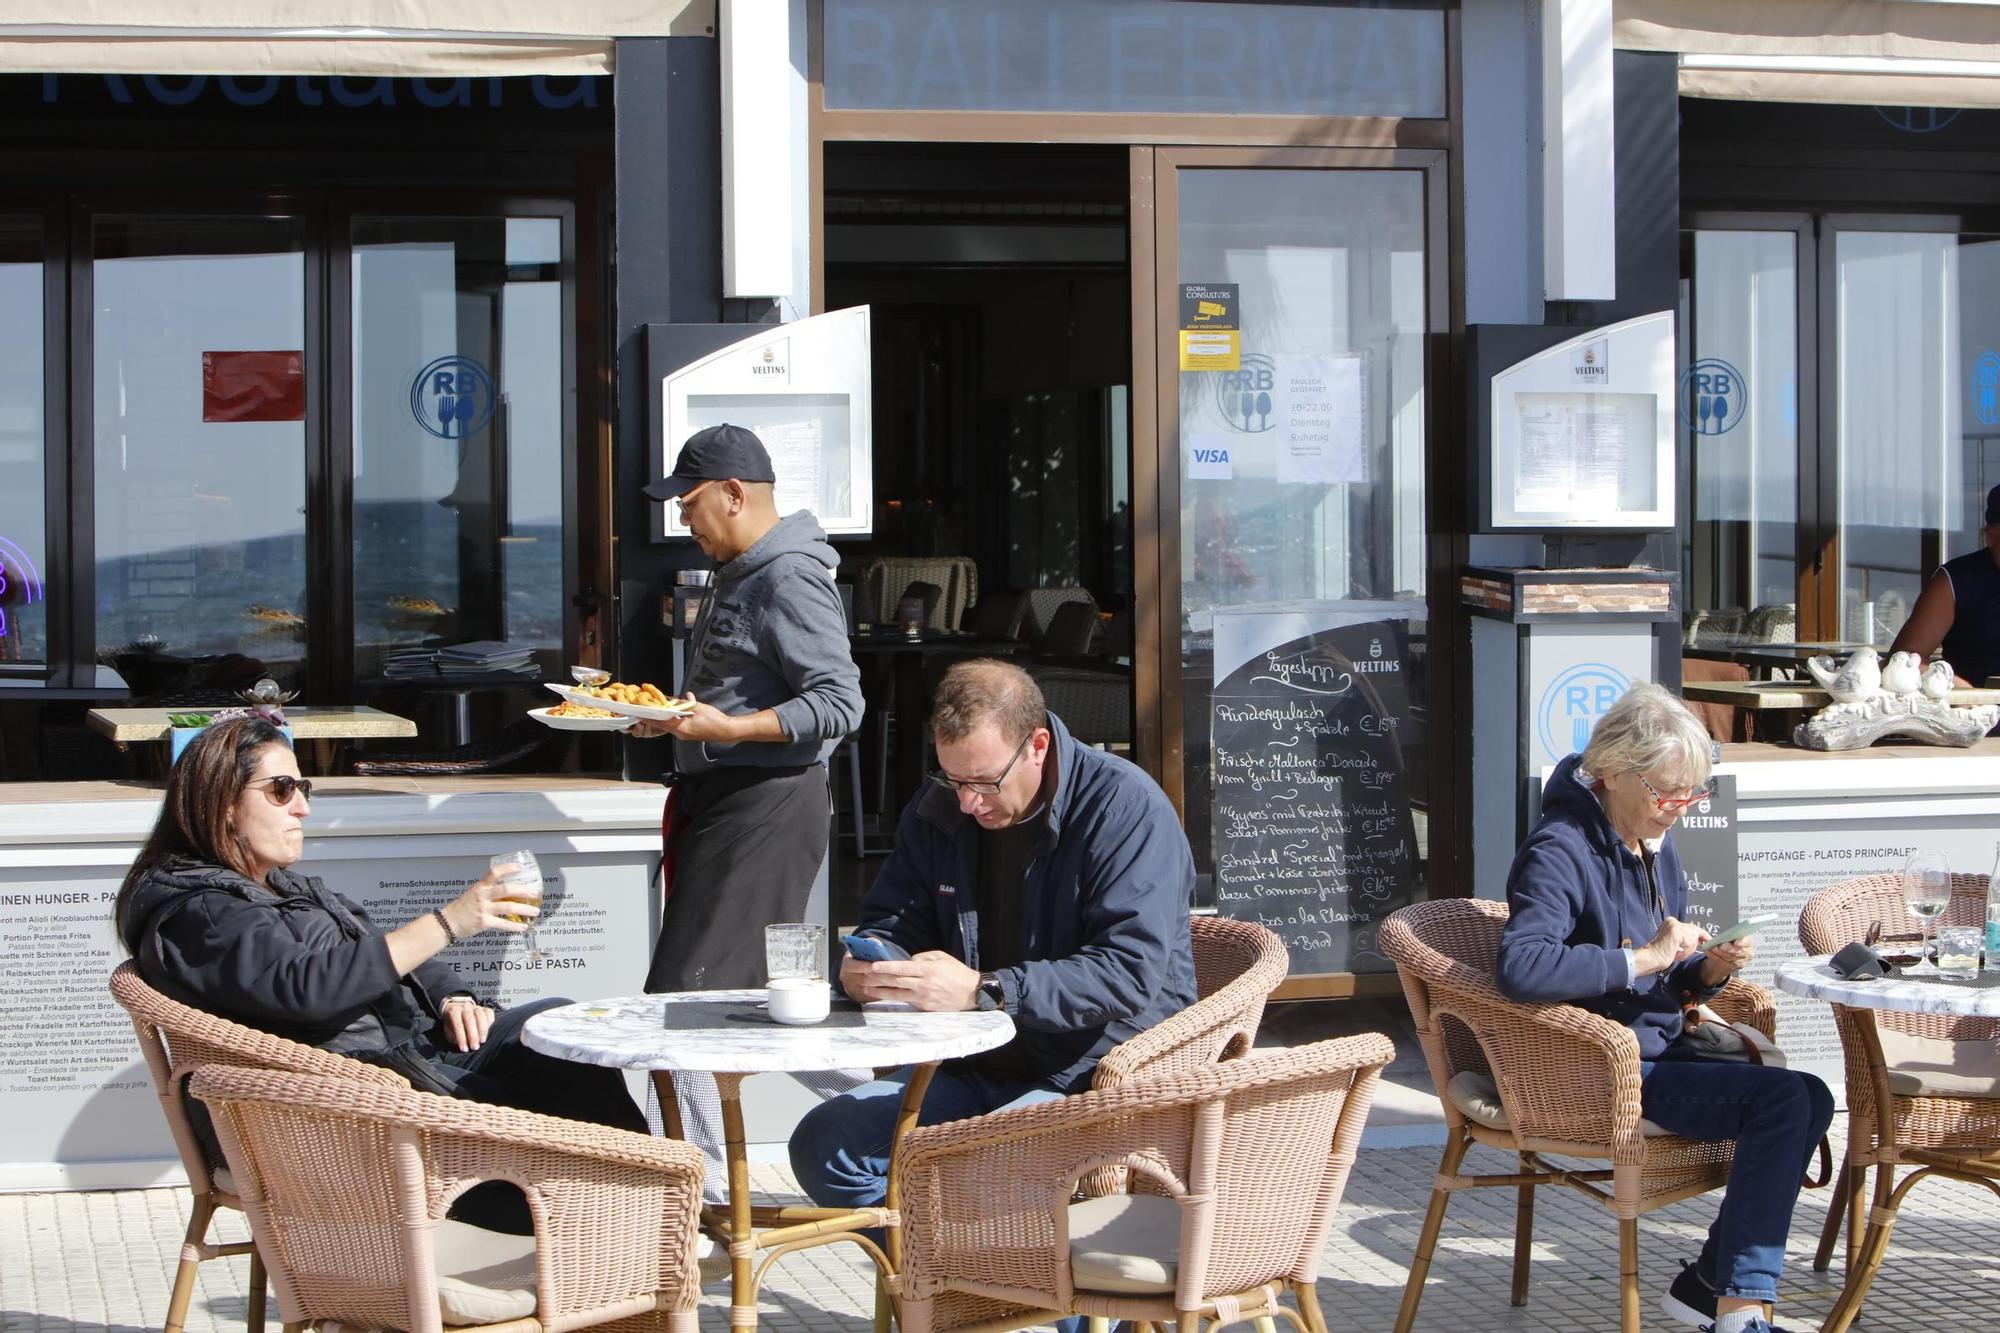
(1710, 1036)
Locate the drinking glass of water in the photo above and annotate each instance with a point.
(1926, 892)
(525, 879)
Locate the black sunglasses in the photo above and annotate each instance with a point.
(282, 786)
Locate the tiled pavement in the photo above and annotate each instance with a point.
(85, 1262)
(79, 1263)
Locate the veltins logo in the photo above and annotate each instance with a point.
(1986, 389)
(452, 397)
(1713, 397)
(1573, 702)
(1243, 396)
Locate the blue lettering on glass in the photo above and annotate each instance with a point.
(1986, 389)
(307, 90)
(1713, 397)
(1243, 396)
(17, 572)
(1573, 702)
(1918, 119)
(452, 397)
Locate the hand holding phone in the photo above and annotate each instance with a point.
(874, 949)
(1749, 925)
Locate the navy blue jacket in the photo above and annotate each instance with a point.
(1577, 897)
(1104, 919)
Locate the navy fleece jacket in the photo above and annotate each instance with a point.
(1577, 897)
(1104, 912)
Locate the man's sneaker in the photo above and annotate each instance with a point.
(1757, 1324)
(1689, 1300)
(716, 1265)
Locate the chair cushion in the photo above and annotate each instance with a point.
(223, 1180)
(1477, 1097)
(483, 1276)
(1934, 1067)
(1125, 1242)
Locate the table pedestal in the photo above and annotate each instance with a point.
(790, 1227)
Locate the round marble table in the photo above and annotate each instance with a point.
(1872, 1137)
(629, 1033)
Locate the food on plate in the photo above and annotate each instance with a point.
(647, 695)
(567, 709)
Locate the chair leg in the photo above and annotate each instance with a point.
(1099, 1324)
(1863, 1268)
(885, 1309)
(1187, 1321)
(1307, 1295)
(1524, 1237)
(1628, 1274)
(183, 1293)
(254, 1316)
(1836, 1212)
(1420, 1262)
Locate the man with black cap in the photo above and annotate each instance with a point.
(1960, 608)
(774, 689)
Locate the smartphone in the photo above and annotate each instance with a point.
(1749, 925)
(874, 949)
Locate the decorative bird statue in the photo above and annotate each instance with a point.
(1902, 675)
(268, 699)
(1937, 680)
(1860, 678)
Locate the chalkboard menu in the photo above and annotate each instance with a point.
(1705, 837)
(1310, 738)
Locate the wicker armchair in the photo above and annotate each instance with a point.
(346, 1185)
(1926, 1069)
(1566, 1082)
(1249, 1159)
(176, 1040)
(512, 749)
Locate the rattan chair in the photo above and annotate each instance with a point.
(1931, 1066)
(347, 1184)
(176, 1040)
(1247, 1161)
(1540, 1080)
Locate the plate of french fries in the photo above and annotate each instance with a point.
(567, 716)
(646, 700)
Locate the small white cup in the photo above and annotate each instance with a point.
(799, 1001)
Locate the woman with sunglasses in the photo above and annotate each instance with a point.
(1596, 898)
(216, 918)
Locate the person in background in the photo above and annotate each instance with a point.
(1959, 608)
(1032, 875)
(1596, 898)
(215, 917)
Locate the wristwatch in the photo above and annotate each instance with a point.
(990, 995)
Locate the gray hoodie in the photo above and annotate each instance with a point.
(773, 635)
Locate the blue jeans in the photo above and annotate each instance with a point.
(1776, 1117)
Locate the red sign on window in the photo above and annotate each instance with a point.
(253, 386)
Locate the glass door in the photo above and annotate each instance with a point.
(24, 621)
(1295, 296)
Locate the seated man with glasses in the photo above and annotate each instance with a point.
(1596, 896)
(1035, 875)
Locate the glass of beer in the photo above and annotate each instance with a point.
(524, 882)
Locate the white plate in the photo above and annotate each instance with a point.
(679, 707)
(584, 675)
(560, 723)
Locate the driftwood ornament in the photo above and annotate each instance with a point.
(1902, 698)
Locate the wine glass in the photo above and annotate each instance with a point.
(526, 881)
(1926, 892)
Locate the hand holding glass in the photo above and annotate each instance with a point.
(1926, 892)
(525, 881)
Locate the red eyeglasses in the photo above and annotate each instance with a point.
(1672, 805)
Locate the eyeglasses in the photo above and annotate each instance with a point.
(981, 786)
(282, 786)
(1676, 805)
(681, 501)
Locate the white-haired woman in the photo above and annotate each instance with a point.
(1596, 896)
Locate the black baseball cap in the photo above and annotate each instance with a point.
(1993, 506)
(713, 455)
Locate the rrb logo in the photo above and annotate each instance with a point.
(452, 397)
(1243, 396)
(1573, 702)
(1713, 397)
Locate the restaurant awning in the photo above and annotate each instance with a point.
(1864, 52)
(360, 38)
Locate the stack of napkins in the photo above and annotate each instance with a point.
(410, 663)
